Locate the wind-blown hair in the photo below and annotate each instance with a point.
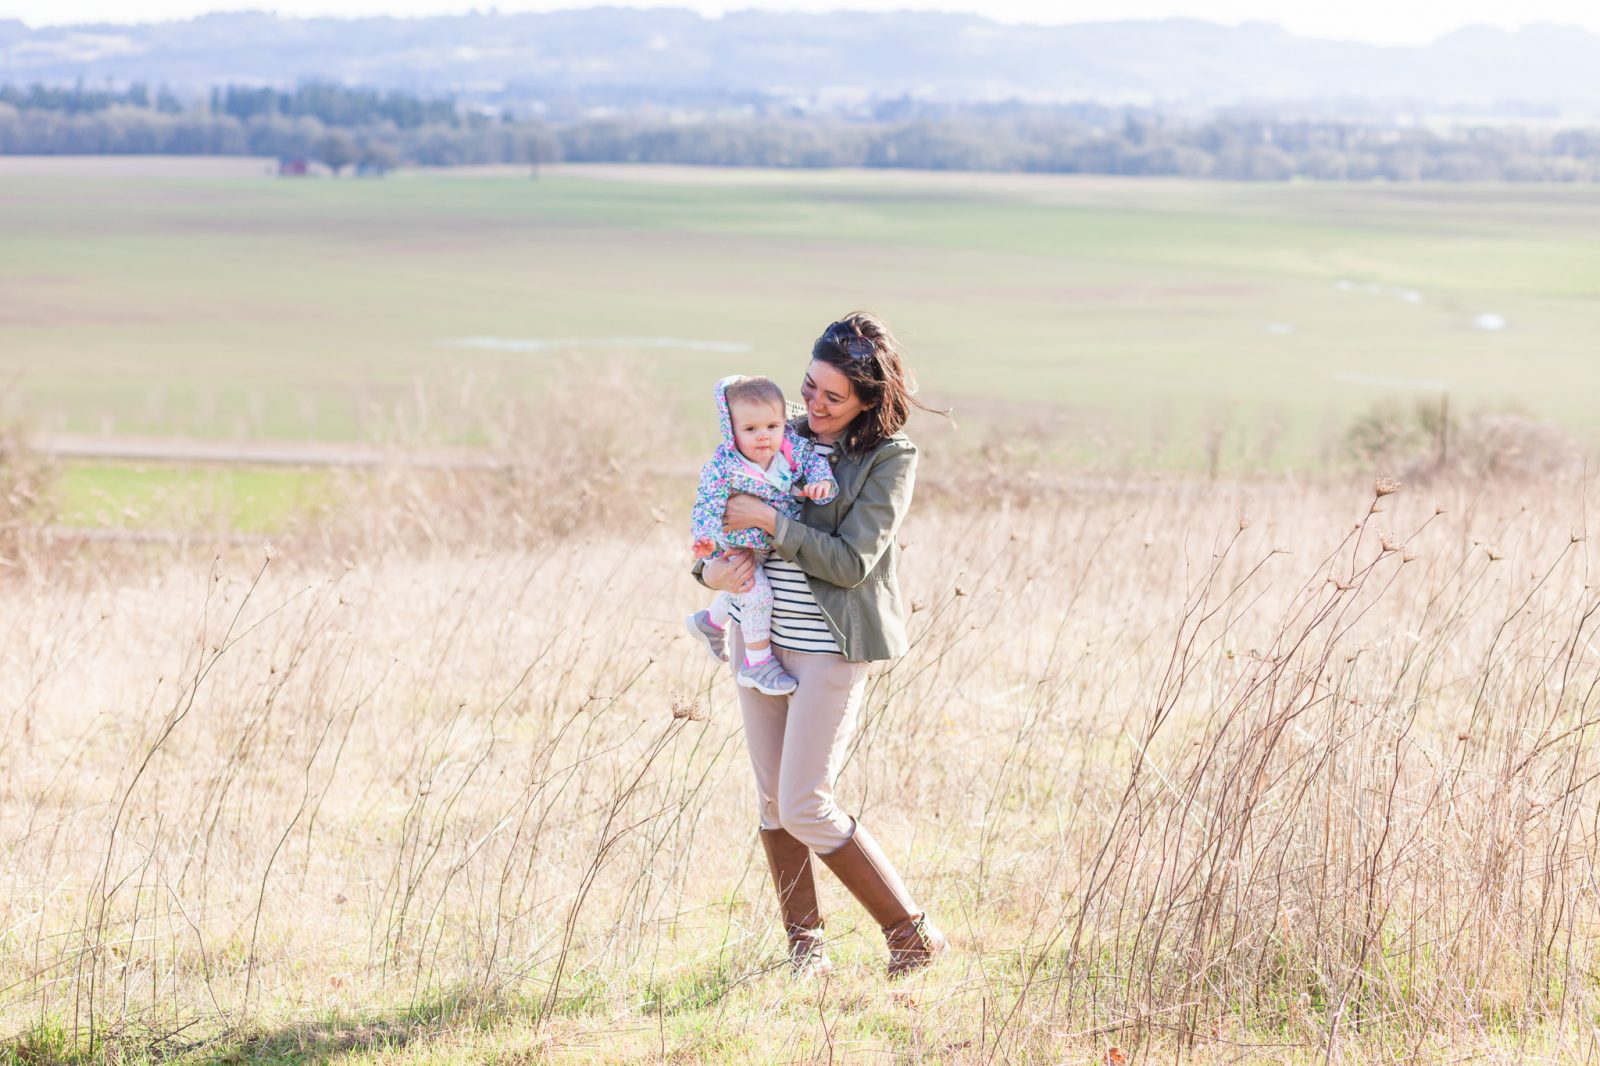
(861, 347)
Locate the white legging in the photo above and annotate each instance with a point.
(753, 607)
(797, 743)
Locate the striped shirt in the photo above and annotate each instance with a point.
(797, 622)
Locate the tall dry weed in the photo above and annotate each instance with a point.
(25, 477)
(595, 448)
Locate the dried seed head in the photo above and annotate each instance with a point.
(268, 550)
(1408, 556)
(960, 591)
(688, 707)
(1385, 485)
(917, 605)
(1494, 556)
(1438, 508)
(1244, 520)
(1388, 543)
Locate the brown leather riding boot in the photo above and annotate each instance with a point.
(913, 941)
(793, 877)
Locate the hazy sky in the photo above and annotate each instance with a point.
(1379, 21)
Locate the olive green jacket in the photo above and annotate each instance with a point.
(848, 551)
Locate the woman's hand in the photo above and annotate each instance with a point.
(747, 512)
(732, 571)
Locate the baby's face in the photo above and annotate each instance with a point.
(757, 430)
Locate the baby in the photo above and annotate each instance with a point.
(762, 456)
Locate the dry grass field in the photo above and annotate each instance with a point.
(1210, 747)
(1190, 771)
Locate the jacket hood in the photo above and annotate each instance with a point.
(724, 419)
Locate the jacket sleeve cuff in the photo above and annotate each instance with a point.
(787, 536)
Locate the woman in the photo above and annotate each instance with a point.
(837, 608)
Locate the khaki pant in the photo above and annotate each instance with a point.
(797, 743)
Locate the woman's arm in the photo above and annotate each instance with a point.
(732, 571)
(867, 530)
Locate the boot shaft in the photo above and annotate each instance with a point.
(863, 868)
(794, 877)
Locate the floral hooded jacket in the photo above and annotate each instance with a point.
(728, 472)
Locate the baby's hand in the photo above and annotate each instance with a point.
(703, 549)
(816, 491)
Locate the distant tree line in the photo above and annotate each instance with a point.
(1248, 149)
(79, 100)
(328, 103)
(335, 105)
(340, 126)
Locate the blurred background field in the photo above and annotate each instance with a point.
(1139, 314)
(1082, 322)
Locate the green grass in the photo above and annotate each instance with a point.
(770, 1020)
(145, 496)
(221, 306)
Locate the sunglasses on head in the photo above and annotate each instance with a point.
(852, 344)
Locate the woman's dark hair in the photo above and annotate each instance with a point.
(861, 348)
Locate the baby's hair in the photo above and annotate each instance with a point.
(755, 390)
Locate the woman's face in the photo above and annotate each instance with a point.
(831, 401)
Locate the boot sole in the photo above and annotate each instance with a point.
(742, 683)
(711, 649)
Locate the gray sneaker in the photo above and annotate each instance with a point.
(715, 640)
(767, 677)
